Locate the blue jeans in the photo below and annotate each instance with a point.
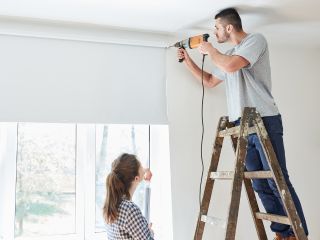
(266, 188)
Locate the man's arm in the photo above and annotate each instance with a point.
(208, 79)
(224, 62)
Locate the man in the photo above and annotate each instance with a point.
(245, 69)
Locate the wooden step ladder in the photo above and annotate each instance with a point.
(251, 122)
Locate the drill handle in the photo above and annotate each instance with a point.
(181, 59)
(205, 37)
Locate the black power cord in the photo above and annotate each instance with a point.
(202, 134)
(149, 154)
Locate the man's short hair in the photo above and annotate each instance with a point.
(231, 16)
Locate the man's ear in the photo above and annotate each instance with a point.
(229, 28)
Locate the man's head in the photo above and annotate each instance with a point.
(228, 21)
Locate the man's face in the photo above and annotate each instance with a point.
(221, 31)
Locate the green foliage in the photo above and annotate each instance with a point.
(41, 209)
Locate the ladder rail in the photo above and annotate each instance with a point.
(206, 198)
(253, 204)
(279, 178)
(241, 153)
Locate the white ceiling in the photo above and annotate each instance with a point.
(298, 17)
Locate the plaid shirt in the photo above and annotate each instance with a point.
(130, 225)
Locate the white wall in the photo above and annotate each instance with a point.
(295, 88)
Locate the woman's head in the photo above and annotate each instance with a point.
(126, 173)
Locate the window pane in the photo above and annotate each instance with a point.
(111, 141)
(45, 186)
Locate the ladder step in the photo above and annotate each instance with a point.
(222, 175)
(229, 174)
(258, 174)
(235, 131)
(218, 222)
(273, 218)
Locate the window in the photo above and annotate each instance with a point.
(52, 178)
(45, 181)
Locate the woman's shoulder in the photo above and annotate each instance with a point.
(126, 210)
(128, 205)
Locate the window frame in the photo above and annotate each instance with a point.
(79, 166)
(8, 146)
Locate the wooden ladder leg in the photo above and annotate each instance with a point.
(254, 209)
(238, 176)
(279, 179)
(251, 199)
(210, 182)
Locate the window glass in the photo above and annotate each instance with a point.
(45, 181)
(111, 141)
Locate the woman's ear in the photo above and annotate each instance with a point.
(137, 178)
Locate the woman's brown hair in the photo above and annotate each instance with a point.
(124, 170)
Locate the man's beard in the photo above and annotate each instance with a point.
(225, 39)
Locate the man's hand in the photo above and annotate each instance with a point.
(206, 48)
(182, 54)
(147, 174)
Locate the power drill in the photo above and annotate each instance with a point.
(192, 42)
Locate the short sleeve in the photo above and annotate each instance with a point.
(252, 49)
(218, 73)
(137, 225)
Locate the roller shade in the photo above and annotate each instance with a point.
(46, 80)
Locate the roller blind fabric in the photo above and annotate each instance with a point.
(46, 80)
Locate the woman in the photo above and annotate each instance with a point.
(123, 217)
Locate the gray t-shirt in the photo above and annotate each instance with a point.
(251, 85)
